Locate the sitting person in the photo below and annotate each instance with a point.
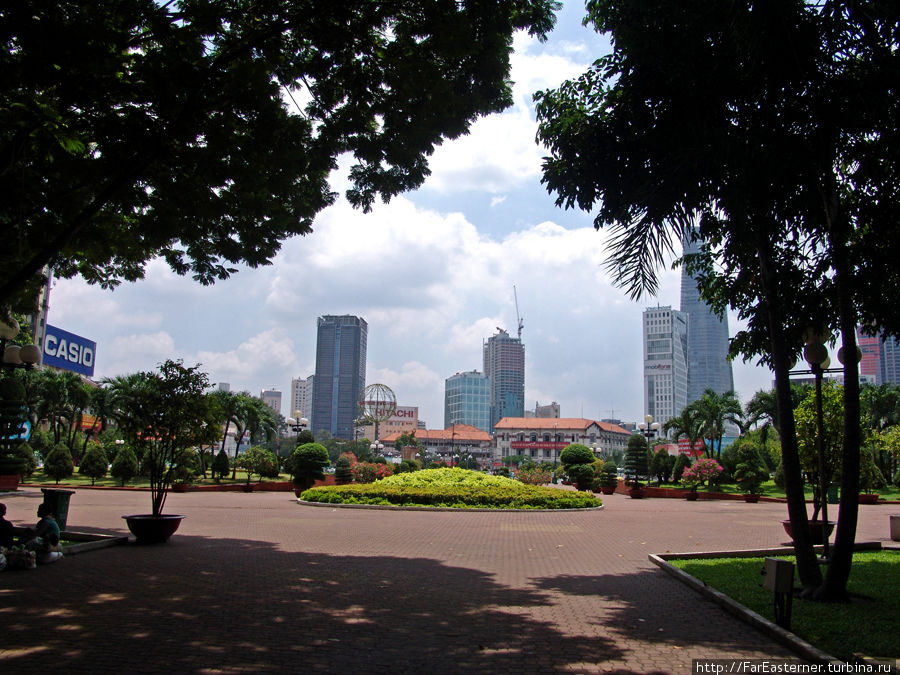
(44, 538)
(7, 530)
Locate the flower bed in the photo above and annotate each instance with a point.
(453, 488)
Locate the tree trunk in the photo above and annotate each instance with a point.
(834, 589)
(807, 567)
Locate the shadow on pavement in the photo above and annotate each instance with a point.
(227, 605)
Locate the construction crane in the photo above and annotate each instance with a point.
(519, 321)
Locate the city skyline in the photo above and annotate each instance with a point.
(432, 272)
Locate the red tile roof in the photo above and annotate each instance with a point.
(551, 423)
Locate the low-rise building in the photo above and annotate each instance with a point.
(458, 440)
(542, 439)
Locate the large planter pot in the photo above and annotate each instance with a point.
(179, 487)
(247, 488)
(150, 529)
(607, 490)
(751, 498)
(691, 496)
(815, 530)
(9, 482)
(868, 499)
(636, 493)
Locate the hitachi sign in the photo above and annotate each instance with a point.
(69, 351)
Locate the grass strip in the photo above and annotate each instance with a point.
(866, 625)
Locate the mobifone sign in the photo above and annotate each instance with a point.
(68, 351)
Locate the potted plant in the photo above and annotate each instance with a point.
(163, 414)
(609, 478)
(750, 473)
(637, 464)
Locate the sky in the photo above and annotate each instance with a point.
(432, 273)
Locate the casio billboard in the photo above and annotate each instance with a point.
(68, 351)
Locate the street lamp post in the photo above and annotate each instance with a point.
(648, 427)
(15, 356)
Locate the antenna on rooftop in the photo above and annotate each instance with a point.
(519, 321)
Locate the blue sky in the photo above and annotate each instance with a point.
(432, 273)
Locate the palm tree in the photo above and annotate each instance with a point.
(711, 412)
(686, 425)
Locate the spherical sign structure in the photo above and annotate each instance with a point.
(378, 403)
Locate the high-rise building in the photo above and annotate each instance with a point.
(880, 362)
(340, 374)
(301, 395)
(665, 362)
(272, 398)
(504, 365)
(467, 400)
(707, 348)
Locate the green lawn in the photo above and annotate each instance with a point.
(867, 625)
(77, 480)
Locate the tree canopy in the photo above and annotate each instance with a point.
(773, 126)
(204, 131)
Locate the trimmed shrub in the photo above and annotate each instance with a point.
(58, 463)
(582, 475)
(220, 466)
(307, 464)
(94, 463)
(26, 454)
(125, 465)
(609, 475)
(342, 474)
(681, 463)
(576, 453)
(454, 488)
(636, 460)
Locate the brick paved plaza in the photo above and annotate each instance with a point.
(258, 583)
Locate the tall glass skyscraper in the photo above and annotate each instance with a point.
(467, 400)
(707, 345)
(504, 364)
(880, 362)
(340, 374)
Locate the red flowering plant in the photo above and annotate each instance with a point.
(703, 471)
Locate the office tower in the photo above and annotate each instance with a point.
(467, 400)
(301, 395)
(880, 362)
(504, 365)
(666, 340)
(340, 374)
(272, 398)
(707, 348)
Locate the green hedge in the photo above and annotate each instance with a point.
(453, 488)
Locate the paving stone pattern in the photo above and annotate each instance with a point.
(256, 583)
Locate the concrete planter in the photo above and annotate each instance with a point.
(895, 527)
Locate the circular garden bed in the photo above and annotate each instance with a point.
(452, 488)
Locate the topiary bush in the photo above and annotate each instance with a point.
(342, 474)
(453, 488)
(582, 475)
(307, 464)
(220, 466)
(94, 463)
(636, 460)
(58, 463)
(125, 465)
(29, 461)
(609, 475)
(576, 453)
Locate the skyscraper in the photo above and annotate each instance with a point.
(707, 347)
(665, 362)
(340, 374)
(504, 364)
(467, 400)
(301, 396)
(880, 362)
(272, 398)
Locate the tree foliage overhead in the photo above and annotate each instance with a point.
(204, 131)
(772, 126)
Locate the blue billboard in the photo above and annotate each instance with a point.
(68, 351)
